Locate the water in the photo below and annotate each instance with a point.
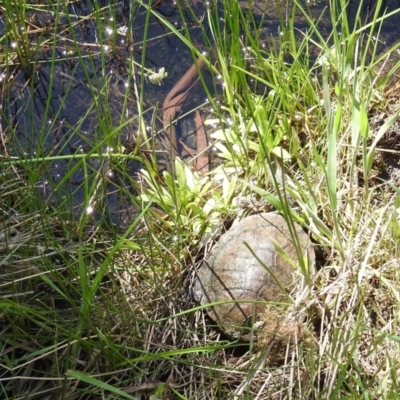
(60, 110)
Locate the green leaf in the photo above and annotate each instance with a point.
(180, 174)
(364, 124)
(96, 382)
(281, 153)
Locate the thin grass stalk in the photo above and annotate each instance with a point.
(16, 21)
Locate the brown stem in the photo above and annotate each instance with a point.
(174, 100)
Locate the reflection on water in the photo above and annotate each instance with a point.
(63, 108)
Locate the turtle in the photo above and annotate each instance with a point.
(254, 261)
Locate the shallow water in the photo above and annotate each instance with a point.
(76, 119)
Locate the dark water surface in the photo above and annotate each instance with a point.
(61, 109)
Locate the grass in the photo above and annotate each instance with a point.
(92, 307)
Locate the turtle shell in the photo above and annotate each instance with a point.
(240, 269)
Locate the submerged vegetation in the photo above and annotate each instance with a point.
(102, 228)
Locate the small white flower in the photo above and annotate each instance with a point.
(157, 77)
(122, 30)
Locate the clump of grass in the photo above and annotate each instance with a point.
(346, 213)
(311, 128)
